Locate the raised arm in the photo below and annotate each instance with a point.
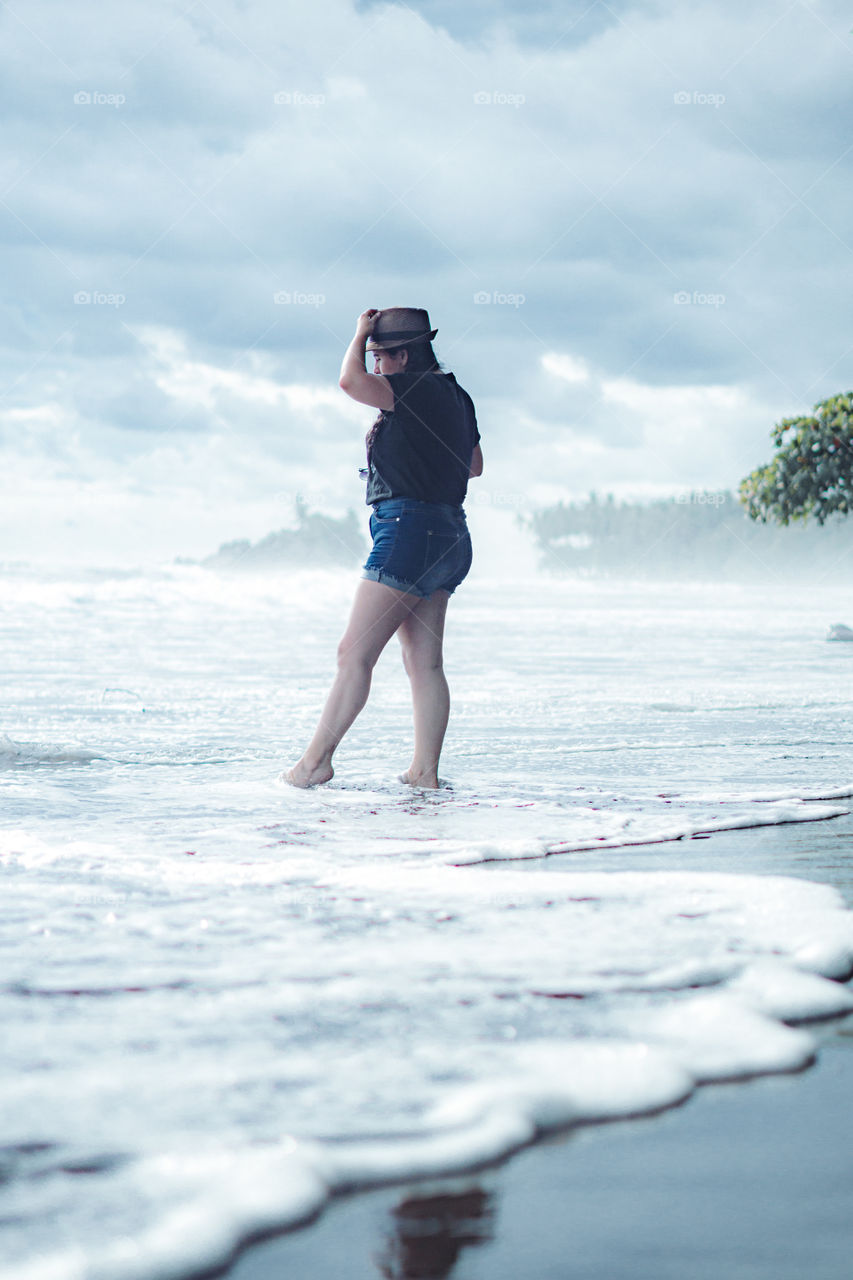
(366, 388)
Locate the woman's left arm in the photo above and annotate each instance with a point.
(366, 388)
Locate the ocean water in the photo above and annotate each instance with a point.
(224, 1000)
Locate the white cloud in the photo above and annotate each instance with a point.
(568, 368)
(680, 409)
(197, 382)
(582, 186)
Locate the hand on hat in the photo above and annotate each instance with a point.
(366, 321)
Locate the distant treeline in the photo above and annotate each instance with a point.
(315, 541)
(695, 534)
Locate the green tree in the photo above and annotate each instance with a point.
(812, 472)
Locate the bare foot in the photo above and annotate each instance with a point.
(426, 780)
(301, 776)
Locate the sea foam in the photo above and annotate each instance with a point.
(227, 1001)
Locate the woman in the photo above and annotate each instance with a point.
(420, 453)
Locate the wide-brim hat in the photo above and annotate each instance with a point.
(396, 326)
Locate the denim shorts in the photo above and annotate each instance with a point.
(418, 547)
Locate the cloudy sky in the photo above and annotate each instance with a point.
(630, 221)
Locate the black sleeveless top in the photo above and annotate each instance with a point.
(422, 447)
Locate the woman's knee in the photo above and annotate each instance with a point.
(420, 659)
(353, 655)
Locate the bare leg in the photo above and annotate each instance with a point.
(377, 612)
(422, 637)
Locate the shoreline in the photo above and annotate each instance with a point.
(747, 1180)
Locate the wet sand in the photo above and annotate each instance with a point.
(750, 1181)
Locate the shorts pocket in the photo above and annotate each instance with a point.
(440, 552)
(449, 557)
(385, 535)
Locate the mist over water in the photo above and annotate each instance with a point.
(225, 999)
(504, 549)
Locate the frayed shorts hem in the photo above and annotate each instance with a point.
(418, 547)
(410, 588)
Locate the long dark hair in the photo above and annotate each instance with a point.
(422, 358)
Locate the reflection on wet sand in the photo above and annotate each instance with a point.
(429, 1233)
